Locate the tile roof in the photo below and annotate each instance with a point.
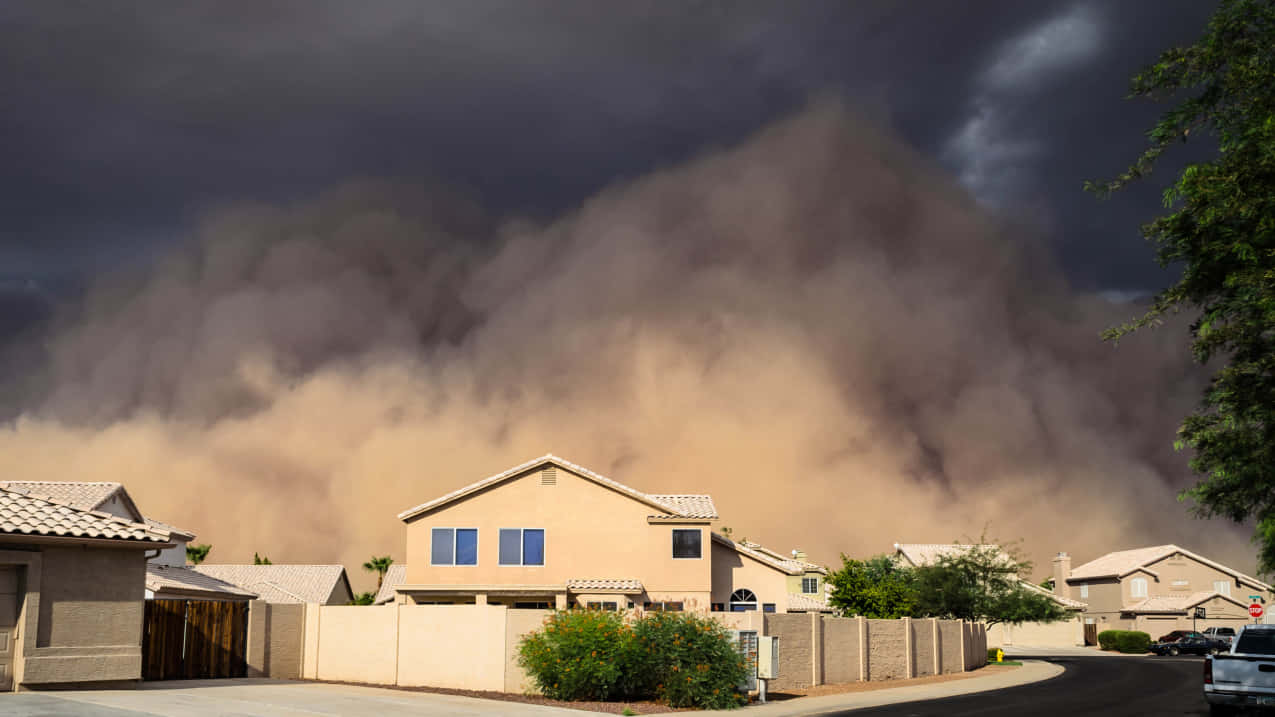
(769, 557)
(1123, 562)
(922, 554)
(1175, 603)
(683, 506)
(283, 583)
(798, 602)
(176, 532)
(1064, 601)
(26, 513)
(77, 494)
(687, 506)
(88, 495)
(395, 576)
(627, 585)
(185, 580)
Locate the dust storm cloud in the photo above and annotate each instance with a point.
(816, 327)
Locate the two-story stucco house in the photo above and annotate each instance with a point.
(1157, 590)
(553, 534)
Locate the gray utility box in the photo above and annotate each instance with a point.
(767, 657)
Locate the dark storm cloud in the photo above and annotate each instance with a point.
(123, 120)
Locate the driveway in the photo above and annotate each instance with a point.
(257, 698)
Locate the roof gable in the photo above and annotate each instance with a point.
(698, 507)
(82, 495)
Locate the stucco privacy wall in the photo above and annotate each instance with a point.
(82, 616)
(458, 646)
(887, 650)
(795, 638)
(517, 624)
(924, 635)
(276, 639)
(358, 643)
(1064, 633)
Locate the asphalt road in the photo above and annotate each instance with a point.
(1108, 686)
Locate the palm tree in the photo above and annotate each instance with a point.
(260, 560)
(196, 553)
(379, 566)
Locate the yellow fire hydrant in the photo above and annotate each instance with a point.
(1000, 655)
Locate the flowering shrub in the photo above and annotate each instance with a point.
(682, 658)
(579, 655)
(692, 660)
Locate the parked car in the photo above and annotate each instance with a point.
(1243, 676)
(1178, 635)
(1195, 644)
(1226, 634)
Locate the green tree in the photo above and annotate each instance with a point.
(1220, 231)
(260, 560)
(982, 584)
(875, 588)
(363, 599)
(379, 566)
(196, 554)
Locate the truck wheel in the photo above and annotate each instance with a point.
(1174, 651)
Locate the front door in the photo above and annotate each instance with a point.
(8, 624)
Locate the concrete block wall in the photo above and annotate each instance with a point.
(816, 649)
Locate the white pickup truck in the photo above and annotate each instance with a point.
(1243, 676)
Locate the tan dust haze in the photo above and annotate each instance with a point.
(817, 328)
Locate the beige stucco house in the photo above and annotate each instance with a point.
(1157, 590)
(551, 533)
(71, 592)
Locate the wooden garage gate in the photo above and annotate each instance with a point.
(194, 639)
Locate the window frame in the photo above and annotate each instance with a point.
(815, 591)
(1084, 590)
(745, 605)
(1225, 584)
(673, 542)
(522, 549)
(1135, 584)
(455, 547)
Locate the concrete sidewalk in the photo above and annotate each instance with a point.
(1030, 672)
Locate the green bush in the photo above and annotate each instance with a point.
(684, 659)
(1127, 641)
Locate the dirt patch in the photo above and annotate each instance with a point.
(642, 708)
(885, 684)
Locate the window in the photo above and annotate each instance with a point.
(608, 606)
(810, 586)
(1138, 587)
(522, 546)
(454, 546)
(1084, 590)
(686, 544)
(743, 600)
(662, 606)
(718, 607)
(532, 606)
(768, 607)
(1222, 586)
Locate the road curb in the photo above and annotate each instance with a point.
(1032, 671)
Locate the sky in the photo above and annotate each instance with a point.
(148, 147)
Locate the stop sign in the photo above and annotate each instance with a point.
(1255, 610)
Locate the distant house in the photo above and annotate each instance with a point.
(71, 591)
(322, 584)
(165, 582)
(1158, 589)
(1038, 634)
(551, 533)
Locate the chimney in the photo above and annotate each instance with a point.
(1062, 571)
(799, 555)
